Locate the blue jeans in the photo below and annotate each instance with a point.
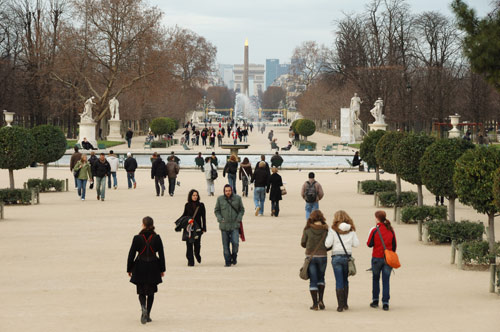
(275, 205)
(340, 270)
(76, 181)
(231, 178)
(100, 186)
(310, 207)
(115, 183)
(129, 140)
(259, 197)
(379, 265)
(316, 270)
(130, 179)
(232, 237)
(82, 186)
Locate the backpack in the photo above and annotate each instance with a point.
(213, 173)
(311, 193)
(203, 133)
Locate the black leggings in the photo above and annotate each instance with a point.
(149, 300)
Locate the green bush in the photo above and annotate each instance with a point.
(371, 186)
(15, 196)
(17, 148)
(390, 198)
(158, 144)
(307, 144)
(367, 147)
(46, 185)
(445, 231)
(294, 125)
(162, 126)
(50, 145)
(306, 127)
(384, 151)
(477, 252)
(413, 214)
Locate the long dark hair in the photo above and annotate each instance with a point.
(148, 224)
(381, 216)
(316, 215)
(190, 195)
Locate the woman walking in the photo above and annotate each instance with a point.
(231, 168)
(84, 173)
(382, 231)
(313, 239)
(342, 236)
(195, 210)
(245, 174)
(210, 167)
(148, 267)
(274, 186)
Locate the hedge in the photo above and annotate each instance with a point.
(477, 252)
(414, 214)
(15, 196)
(158, 144)
(445, 231)
(390, 198)
(371, 186)
(46, 185)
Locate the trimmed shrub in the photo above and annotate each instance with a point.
(390, 198)
(414, 214)
(158, 144)
(294, 125)
(371, 186)
(384, 151)
(15, 196)
(477, 252)
(17, 147)
(445, 231)
(307, 144)
(46, 185)
(162, 126)
(367, 147)
(50, 145)
(306, 127)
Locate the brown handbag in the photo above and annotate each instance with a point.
(304, 270)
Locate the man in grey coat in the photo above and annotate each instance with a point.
(229, 211)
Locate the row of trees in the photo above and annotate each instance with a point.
(453, 168)
(54, 54)
(413, 62)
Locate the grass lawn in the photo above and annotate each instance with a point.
(356, 145)
(71, 143)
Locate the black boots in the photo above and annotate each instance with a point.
(314, 296)
(321, 291)
(340, 299)
(374, 304)
(346, 295)
(144, 314)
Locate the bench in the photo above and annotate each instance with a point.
(361, 167)
(274, 146)
(101, 146)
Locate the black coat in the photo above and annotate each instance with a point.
(274, 186)
(230, 168)
(130, 164)
(266, 167)
(200, 218)
(101, 169)
(129, 134)
(158, 168)
(147, 267)
(260, 177)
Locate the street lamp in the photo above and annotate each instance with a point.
(205, 108)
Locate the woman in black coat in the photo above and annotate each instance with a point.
(200, 220)
(274, 186)
(148, 267)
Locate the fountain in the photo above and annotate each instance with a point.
(244, 108)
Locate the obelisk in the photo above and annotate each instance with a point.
(245, 70)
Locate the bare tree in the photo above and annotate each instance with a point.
(309, 60)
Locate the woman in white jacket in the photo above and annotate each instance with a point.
(342, 237)
(209, 166)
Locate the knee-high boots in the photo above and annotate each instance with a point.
(321, 291)
(314, 296)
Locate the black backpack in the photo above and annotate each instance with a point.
(311, 193)
(213, 173)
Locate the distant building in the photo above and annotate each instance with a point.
(255, 77)
(226, 74)
(274, 70)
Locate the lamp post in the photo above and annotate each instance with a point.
(205, 109)
(409, 91)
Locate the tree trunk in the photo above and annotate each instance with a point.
(451, 209)
(420, 195)
(377, 173)
(491, 241)
(45, 171)
(11, 178)
(398, 186)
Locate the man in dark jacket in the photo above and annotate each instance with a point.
(128, 136)
(92, 161)
(158, 172)
(260, 178)
(172, 171)
(263, 158)
(130, 166)
(101, 169)
(75, 157)
(276, 160)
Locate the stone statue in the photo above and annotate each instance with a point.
(376, 112)
(356, 124)
(355, 106)
(113, 108)
(86, 116)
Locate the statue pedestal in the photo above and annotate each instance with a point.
(87, 129)
(378, 126)
(114, 130)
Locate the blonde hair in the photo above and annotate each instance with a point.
(262, 164)
(339, 217)
(274, 169)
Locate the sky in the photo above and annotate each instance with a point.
(274, 27)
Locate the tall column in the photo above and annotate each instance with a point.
(245, 70)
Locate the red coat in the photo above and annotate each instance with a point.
(374, 240)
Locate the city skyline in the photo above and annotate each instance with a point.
(272, 28)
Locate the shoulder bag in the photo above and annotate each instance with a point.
(304, 270)
(391, 258)
(189, 234)
(242, 231)
(351, 266)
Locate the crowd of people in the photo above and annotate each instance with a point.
(236, 132)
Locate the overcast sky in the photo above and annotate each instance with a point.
(274, 27)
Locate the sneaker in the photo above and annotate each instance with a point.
(115, 187)
(374, 304)
(83, 199)
(135, 185)
(385, 307)
(257, 209)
